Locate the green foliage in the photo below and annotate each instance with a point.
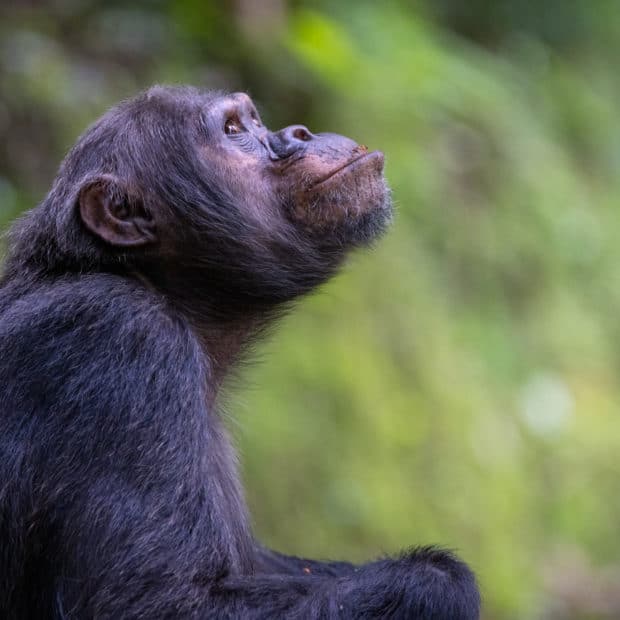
(458, 384)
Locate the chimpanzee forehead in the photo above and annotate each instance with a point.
(184, 102)
(242, 98)
(230, 101)
(193, 96)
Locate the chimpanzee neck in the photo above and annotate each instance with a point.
(225, 331)
(224, 347)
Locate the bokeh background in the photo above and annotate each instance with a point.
(459, 384)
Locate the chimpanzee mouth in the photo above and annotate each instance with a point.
(366, 163)
(351, 200)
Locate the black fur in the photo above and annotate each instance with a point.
(119, 495)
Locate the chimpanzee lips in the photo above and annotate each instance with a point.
(367, 163)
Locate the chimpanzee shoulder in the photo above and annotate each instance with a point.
(91, 336)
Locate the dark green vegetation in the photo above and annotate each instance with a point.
(460, 384)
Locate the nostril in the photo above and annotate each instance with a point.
(289, 140)
(301, 133)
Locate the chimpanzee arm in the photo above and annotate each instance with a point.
(149, 571)
(272, 562)
(425, 584)
(142, 564)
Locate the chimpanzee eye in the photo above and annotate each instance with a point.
(233, 126)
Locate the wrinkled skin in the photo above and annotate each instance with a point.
(177, 228)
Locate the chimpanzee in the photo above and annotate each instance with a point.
(177, 229)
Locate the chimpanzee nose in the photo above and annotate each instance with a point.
(289, 140)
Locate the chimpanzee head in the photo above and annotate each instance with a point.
(191, 191)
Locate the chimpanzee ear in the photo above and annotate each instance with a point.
(109, 213)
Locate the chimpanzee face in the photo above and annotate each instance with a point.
(323, 183)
